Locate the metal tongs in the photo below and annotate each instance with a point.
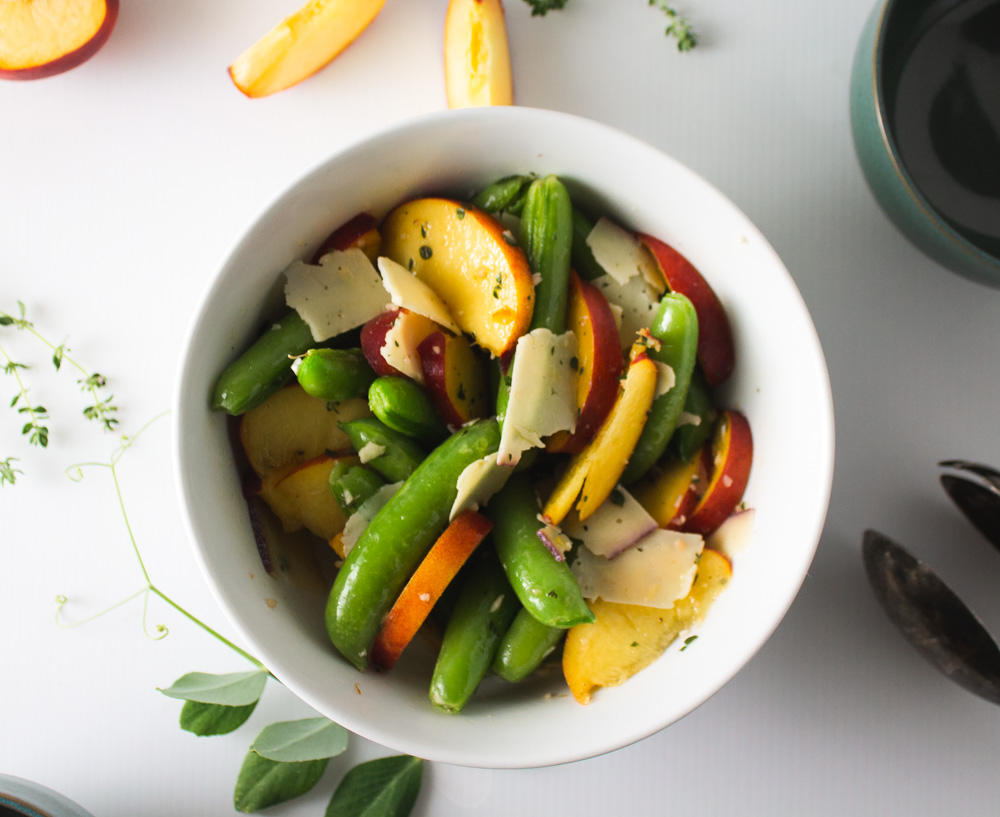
(923, 607)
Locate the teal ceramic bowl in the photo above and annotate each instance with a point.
(22, 798)
(876, 93)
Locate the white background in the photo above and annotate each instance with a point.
(124, 183)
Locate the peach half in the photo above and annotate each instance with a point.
(41, 38)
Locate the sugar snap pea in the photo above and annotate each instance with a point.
(335, 374)
(583, 257)
(690, 437)
(546, 588)
(675, 327)
(399, 536)
(406, 407)
(263, 368)
(546, 237)
(482, 614)
(506, 194)
(399, 456)
(524, 646)
(352, 485)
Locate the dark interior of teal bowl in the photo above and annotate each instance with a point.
(940, 86)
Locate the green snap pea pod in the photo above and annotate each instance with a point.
(399, 536)
(335, 374)
(675, 326)
(352, 485)
(401, 456)
(524, 646)
(482, 614)
(263, 368)
(503, 194)
(583, 257)
(546, 237)
(690, 437)
(406, 407)
(546, 588)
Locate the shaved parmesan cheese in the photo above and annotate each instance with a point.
(341, 292)
(616, 525)
(370, 451)
(621, 255)
(478, 482)
(655, 572)
(361, 518)
(542, 393)
(637, 300)
(686, 418)
(408, 291)
(616, 313)
(666, 379)
(402, 341)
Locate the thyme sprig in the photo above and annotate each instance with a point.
(100, 409)
(678, 27)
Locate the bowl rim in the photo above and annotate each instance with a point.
(413, 745)
(930, 213)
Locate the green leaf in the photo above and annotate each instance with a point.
(6, 320)
(213, 719)
(295, 741)
(264, 782)
(234, 689)
(20, 306)
(387, 787)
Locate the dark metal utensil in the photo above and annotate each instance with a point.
(932, 617)
(980, 502)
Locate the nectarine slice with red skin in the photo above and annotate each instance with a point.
(301, 44)
(373, 339)
(732, 458)
(360, 231)
(42, 38)
(599, 359)
(669, 495)
(454, 378)
(716, 352)
(428, 582)
(471, 261)
(595, 471)
(476, 55)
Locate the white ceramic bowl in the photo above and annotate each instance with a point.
(780, 383)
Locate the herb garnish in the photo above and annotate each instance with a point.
(679, 27)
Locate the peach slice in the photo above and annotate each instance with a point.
(291, 427)
(599, 359)
(391, 341)
(360, 231)
(595, 471)
(301, 497)
(670, 495)
(476, 55)
(715, 338)
(626, 638)
(455, 378)
(426, 585)
(301, 44)
(732, 457)
(41, 38)
(469, 259)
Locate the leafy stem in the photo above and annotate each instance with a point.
(75, 472)
(37, 433)
(678, 27)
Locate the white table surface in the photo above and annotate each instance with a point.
(124, 183)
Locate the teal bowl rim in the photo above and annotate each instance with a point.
(932, 215)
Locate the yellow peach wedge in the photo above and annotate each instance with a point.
(595, 471)
(626, 638)
(301, 44)
(476, 55)
(300, 497)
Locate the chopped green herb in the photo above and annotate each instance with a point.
(426, 252)
(617, 497)
(460, 212)
(688, 642)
